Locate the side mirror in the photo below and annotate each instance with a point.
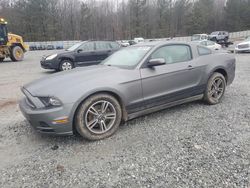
(156, 62)
(79, 50)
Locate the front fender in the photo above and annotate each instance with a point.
(70, 57)
(92, 92)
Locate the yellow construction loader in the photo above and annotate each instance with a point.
(11, 45)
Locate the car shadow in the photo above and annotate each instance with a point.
(50, 72)
(6, 61)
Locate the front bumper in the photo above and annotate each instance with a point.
(49, 64)
(42, 119)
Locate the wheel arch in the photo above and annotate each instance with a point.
(109, 92)
(221, 70)
(61, 59)
(66, 57)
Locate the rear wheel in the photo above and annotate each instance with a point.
(98, 117)
(66, 65)
(1, 59)
(216, 88)
(17, 53)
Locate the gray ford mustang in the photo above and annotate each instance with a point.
(92, 101)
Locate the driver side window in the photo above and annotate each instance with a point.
(87, 47)
(173, 53)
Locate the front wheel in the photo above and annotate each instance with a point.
(216, 88)
(17, 53)
(98, 117)
(1, 59)
(66, 65)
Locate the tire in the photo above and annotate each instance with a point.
(17, 53)
(215, 90)
(66, 65)
(1, 59)
(92, 121)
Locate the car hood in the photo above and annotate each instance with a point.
(60, 53)
(82, 79)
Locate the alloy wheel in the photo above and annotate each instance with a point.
(100, 117)
(66, 66)
(217, 89)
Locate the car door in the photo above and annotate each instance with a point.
(85, 54)
(103, 50)
(179, 78)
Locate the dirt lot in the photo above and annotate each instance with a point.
(192, 145)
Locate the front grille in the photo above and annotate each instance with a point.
(243, 46)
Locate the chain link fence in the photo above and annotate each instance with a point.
(66, 44)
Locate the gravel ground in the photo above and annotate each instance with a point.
(192, 145)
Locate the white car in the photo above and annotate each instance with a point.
(139, 40)
(243, 46)
(125, 43)
(210, 44)
(199, 37)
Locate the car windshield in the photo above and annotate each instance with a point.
(215, 33)
(128, 57)
(74, 47)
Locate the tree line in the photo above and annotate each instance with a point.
(45, 20)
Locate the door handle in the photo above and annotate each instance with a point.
(190, 67)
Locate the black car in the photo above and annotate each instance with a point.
(50, 47)
(81, 54)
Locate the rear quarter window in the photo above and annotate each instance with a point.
(203, 51)
(102, 45)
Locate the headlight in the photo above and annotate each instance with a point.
(50, 101)
(51, 57)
